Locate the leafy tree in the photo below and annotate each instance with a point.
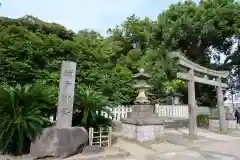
(36, 25)
(21, 116)
(148, 54)
(32, 50)
(29, 55)
(201, 31)
(198, 30)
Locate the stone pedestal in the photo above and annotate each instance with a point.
(143, 133)
(142, 124)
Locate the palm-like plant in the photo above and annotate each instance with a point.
(88, 106)
(21, 116)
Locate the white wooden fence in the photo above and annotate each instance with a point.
(180, 111)
(172, 110)
(162, 110)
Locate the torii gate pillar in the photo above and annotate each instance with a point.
(220, 103)
(192, 105)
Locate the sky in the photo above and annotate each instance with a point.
(81, 14)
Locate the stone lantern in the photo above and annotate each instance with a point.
(175, 97)
(142, 86)
(142, 124)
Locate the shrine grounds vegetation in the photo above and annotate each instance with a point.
(22, 117)
(32, 50)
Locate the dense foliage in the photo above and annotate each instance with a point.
(22, 116)
(32, 50)
(88, 108)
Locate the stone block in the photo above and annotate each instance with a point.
(129, 131)
(232, 124)
(59, 142)
(142, 108)
(214, 123)
(143, 133)
(152, 119)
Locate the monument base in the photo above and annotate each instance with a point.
(142, 130)
(59, 142)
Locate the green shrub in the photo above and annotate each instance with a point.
(88, 105)
(21, 116)
(202, 120)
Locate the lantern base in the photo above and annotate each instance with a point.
(143, 129)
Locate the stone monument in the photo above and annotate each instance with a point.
(66, 95)
(62, 140)
(142, 124)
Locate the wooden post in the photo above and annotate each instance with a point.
(109, 136)
(100, 139)
(192, 105)
(90, 136)
(220, 103)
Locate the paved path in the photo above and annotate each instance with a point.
(209, 134)
(209, 146)
(136, 150)
(175, 146)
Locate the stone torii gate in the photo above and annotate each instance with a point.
(210, 77)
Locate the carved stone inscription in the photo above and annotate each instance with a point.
(69, 73)
(65, 99)
(66, 94)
